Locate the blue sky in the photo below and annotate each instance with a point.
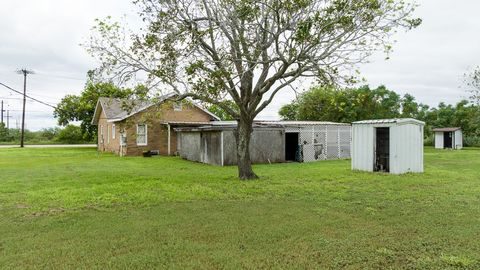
(44, 36)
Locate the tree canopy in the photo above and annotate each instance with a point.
(246, 51)
(81, 107)
(354, 104)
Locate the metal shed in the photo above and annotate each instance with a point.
(450, 138)
(388, 145)
(271, 141)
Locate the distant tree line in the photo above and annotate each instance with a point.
(354, 104)
(70, 134)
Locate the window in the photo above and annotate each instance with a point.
(177, 106)
(108, 133)
(141, 134)
(113, 131)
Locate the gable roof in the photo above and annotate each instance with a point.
(116, 109)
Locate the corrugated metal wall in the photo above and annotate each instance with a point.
(406, 147)
(458, 139)
(362, 147)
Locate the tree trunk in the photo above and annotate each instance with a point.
(242, 135)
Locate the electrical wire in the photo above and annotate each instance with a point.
(34, 99)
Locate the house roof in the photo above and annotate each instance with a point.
(448, 129)
(390, 121)
(116, 109)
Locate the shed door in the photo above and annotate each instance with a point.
(447, 139)
(382, 150)
(291, 147)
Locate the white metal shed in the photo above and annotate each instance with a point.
(451, 138)
(388, 145)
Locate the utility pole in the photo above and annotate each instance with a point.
(25, 72)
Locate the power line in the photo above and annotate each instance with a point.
(34, 99)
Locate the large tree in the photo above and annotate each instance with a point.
(81, 107)
(246, 51)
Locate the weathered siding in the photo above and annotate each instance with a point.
(266, 145)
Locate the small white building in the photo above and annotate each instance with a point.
(388, 145)
(451, 138)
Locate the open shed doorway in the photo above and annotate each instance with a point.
(291, 146)
(447, 139)
(382, 149)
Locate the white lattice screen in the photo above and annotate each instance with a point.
(321, 142)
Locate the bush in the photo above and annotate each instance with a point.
(428, 141)
(472, 141)
(70, 134)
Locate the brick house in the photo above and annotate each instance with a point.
(130, 128)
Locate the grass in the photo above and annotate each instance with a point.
(73, 208)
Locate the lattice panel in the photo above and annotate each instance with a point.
(321, 142)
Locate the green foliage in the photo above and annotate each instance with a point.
(74, 208)
(220, 112)
(70, 135)
(349, 105)
(329, 104)
(81, 107)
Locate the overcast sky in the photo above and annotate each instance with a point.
(44, 36)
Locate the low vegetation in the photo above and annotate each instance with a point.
(70, 134)
(75, 208)
(354, 104)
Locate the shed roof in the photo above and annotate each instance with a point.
(389, 121)
(448, 129)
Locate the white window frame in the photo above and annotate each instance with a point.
(146, 135)
(113, 131)
(177, 106)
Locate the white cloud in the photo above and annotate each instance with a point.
(427, 62)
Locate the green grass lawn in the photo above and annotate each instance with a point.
(73, 208)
